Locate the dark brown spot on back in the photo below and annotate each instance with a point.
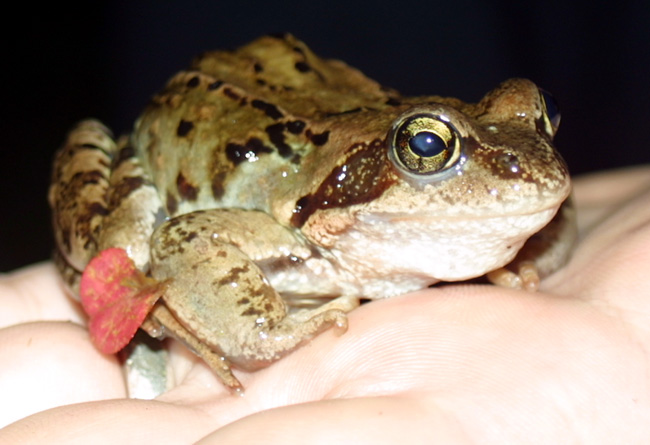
(250, 151)
(215, 85)
(276, 136)
(269, 109)
(295, 127)
(184, 127)
(303, 67)
(217, 185)
(172, 204)
(186, 190)
(190, 236)
(318, 139)
(231, 94)
(236, 153)
(256, 147)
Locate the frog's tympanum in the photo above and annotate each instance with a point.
(271, 190)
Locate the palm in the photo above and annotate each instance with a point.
(455, 363)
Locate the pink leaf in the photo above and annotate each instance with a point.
(117, 296)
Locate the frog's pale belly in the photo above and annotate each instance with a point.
(268, 176)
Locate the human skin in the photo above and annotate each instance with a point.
(453, 364)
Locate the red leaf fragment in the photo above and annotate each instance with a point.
(117, 297)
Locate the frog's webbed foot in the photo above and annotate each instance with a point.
(284, 337)
(262, 346)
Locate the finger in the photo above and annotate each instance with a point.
(612, 185)
(112, 421)
(599, 194)
(496, 359)
(35, 293)
(368, 420)
(610, 264)
(49, 364)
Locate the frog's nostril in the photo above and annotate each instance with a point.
(509, 162)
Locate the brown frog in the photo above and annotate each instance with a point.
(271, 190)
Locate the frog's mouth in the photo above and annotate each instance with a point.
(465, 202)
(543, 214)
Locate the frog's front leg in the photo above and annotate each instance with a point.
(543, 253)
(217, 292)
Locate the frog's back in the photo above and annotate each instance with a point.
(244, 128)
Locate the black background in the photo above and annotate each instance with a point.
(106, 60)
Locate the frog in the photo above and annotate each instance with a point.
(273, 191)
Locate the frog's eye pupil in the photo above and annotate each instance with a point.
(427, 144)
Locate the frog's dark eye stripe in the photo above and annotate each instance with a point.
(424, 144)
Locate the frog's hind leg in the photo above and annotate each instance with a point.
(100, 198)
(77, 196)
(218, 363)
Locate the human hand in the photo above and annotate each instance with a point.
(457, 363)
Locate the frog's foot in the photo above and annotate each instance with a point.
(219, 364)
(543, 253)
(306, 324)
(527, 278)
(343, 303)
(262, 347)
(303, 309)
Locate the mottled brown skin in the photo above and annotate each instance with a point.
(276, 180)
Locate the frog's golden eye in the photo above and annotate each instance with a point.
(551, 112)
(424, 144)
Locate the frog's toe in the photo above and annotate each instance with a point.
(527, 278)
